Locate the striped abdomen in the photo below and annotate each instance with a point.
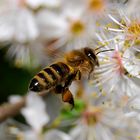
(50, 77)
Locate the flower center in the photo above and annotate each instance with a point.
(134, 30)
(96, 5)
(93, 116)
(77, 27)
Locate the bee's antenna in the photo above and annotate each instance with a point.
(105, 51)
(99, 47)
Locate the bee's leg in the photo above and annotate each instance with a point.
(68, 97)
(59, 89)
(78, 75)
(90, 73)
(72, 77)
(69, 80)
(66, 94)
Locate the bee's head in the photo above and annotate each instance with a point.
(91, 56)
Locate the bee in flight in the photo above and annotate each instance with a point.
(59, 76)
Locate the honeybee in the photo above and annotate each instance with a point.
(58, 76)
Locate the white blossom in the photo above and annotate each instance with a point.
(107, 107)
(132, 60)
(98, 123)
(28, 55)
(126, 30)
(45, 3)
(70, 27)
(35, 112)
(111, 76)
(17, 23)
(56, 134)
(132, 108)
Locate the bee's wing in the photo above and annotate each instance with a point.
(55, 54)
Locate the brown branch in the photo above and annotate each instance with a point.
(8, 109)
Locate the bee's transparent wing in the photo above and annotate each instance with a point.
(55, 54)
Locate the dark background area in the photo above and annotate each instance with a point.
(13, 81)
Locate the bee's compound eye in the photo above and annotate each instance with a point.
(35, 86)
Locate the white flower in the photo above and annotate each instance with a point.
(111, 76)
(132, 60)
(51, 25)
(28, 55)
(35, 112)
(49, 135)
(17, 23)
(125, 26)
(132, 107)
(129, 32)
(132, 6)
(37, 117)
(18, 28)
(11, 129)
(103, 123)
(56, 134)
(72, 27)
(27, 135)
(48, 3)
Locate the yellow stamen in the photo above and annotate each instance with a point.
(134, 30)
(94, 95)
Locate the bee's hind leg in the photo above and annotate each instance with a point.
(68, 97)
(66, 94)
(59, 89)
(64, 89)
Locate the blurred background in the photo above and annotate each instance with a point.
(37, 33)
(13, 80)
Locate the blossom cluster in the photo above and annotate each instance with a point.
(107, 106)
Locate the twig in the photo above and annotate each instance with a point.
(8, 109)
